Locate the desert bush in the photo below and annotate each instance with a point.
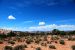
(56, 42)
(52, 47)
(73, 47)
(43, 44)
(62, 42)
(31, 40)
(45, 38)
(28, 42)
(54, 37)
(37, 41)
(18, 39)
(48, 42)
(38, 48)
(19, 47)
(69, 38)
(11, 42)
(25, 46)
(66, 36)
(72, 39)
(1, 42)
(40, 39)
(8, 48)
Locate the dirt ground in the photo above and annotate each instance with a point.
(58, 46)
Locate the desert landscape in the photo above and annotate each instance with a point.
(37, 24)
(55, 40)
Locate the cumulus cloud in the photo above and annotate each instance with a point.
(41, 23)
(11, 17)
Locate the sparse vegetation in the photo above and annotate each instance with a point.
(8, 48)
(52, 47)
(28, 41)
(73, 47)
(19, 47)
(43, 44)
(54, 37)
(38, 48)
(11, 42)
(37, 39)
(62, 42)
(25, 46)
(48, 42)
(45, 38)
(71, 39)
(1, 42)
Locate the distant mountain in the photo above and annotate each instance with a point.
(4, 31)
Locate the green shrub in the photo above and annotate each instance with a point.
(54, 37)
(37, 41)
(48, 42)
(66, 36)
(45, 38)
(25, 46)
(18, 39)
(40, 39)
(1, 42)
(62, 42)
(52, 47)
(31, 40)
(28, 41)
(43, 44)
(8, 48)
(38, 48)
(11, 42)
(72, 39)
(19, 47)
(73, 47)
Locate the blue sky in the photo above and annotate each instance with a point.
(37, 15)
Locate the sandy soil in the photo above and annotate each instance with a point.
(58, 46)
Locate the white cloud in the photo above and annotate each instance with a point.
(41, 23)
(51, 27)
(11, 17)
(10, 28)
(42, 28)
